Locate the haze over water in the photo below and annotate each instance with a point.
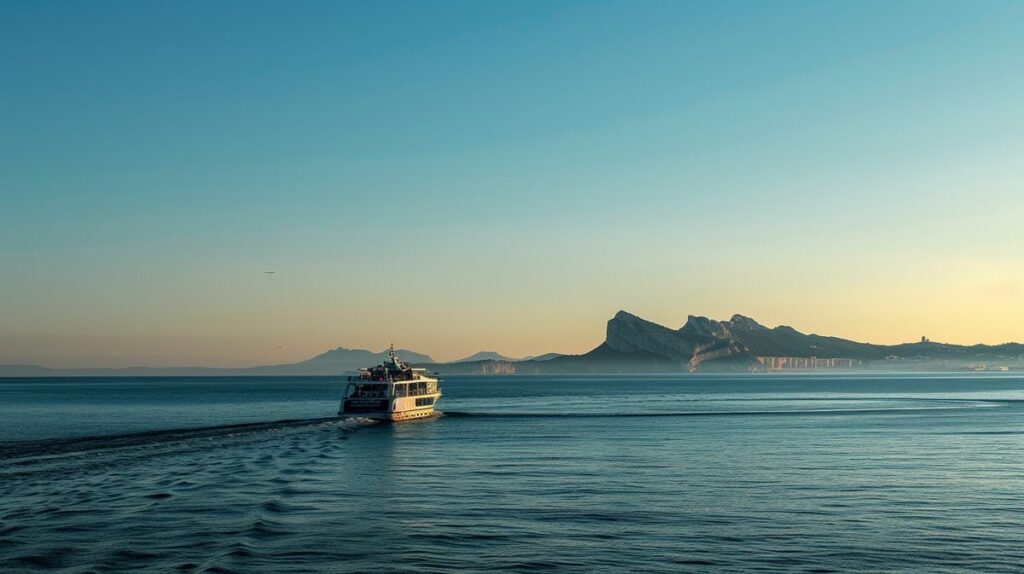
(665, 474)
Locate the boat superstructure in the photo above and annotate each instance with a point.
(391, 391)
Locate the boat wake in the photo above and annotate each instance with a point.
(41, 449)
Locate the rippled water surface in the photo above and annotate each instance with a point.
(753, 473)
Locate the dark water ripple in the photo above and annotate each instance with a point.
(732, 476)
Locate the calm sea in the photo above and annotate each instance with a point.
(600, 474)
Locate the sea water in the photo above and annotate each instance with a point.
(589, 474)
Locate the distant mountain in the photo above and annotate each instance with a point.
(333, 362)
(25, 371)
(781, 341)
(495, 356)
(635, 345)
(485, 356)
(544, 357)
(338, 361)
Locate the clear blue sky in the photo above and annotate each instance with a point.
(502, 175)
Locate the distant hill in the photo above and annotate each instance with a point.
(544, 357)
(338, 361)
(495, 356)
(333, 362)
(485, 356)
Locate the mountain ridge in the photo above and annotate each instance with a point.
(633, 344)
(741, 344)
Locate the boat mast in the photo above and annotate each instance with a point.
(391, 381)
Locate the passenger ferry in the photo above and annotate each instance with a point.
(390, 391)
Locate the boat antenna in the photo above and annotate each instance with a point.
(391, 351)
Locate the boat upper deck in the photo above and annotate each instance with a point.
(391, 370)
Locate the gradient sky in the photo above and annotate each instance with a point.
(458, 176)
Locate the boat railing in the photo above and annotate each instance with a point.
(379, 388)
(416, 389)
(401, 389)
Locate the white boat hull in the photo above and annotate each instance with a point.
(398, 409)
